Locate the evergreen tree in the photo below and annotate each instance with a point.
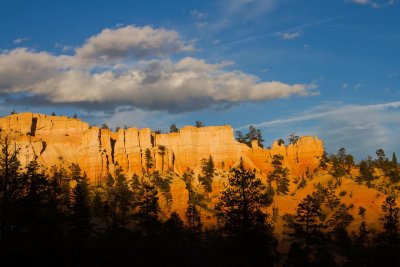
(323, 163)
(240, 137)
(279, 175)
(240, 208)
(341, 164)
(341, 218)
(293, 138)
(381, 158)
(173, 128)
(163, 183)
(366, 168)
(199, 124)
(11, 182)
(308, 214)
(123, 196)
(174, 227)
(80, 226)
(149, 160)
(394, 159)
(193, 219)
(162, 151)
(208, 170)
(254, 134)
(148, 207)
(390, 218)
(110, 203)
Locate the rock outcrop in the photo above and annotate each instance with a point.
(54, 140)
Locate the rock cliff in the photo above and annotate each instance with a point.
(54, 140)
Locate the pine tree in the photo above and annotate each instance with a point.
(279, 175)
(173, 128)
(193, 219)
(240, 137)
(308, 214)
(240, 208)
(148, 208)
(293, 138)
(11, 183)
(394, 159)
(123, 196)
(80, 225)
(174, 227)
(366, 171)
(162, 151)
(208, 170)
(149, 160)
(199, 124)
(390, 218)
(254, 134)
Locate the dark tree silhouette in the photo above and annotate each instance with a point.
(208, 170)
(11, 183)
(390, 218)
(173, 128)
(162, 150)
(279, 175)
(149, 160)
(199, 124)
(240, 209)
(254, 134)
(193, 219)
(148, 208)
(293, 138)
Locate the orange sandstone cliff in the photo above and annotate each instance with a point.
(54, 140)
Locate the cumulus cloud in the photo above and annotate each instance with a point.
(114, 45)
(130, 66)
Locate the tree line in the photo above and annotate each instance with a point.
(59, 218)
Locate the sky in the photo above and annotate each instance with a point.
(324, 68)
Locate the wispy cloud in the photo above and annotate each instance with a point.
(200, 25)
(290, 35)
(197, 14)
(374, 3)
(393, 75)
(299, 28)
(359, 128)
(21, 40)
(318, 115)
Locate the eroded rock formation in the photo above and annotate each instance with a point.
(54, 140)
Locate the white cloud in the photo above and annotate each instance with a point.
(21, 40)
(360, 128)
(197, 14)
(102, 72)
(290, 35)
(115, 45)
(375, 3)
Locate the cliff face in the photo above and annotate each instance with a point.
(54, 140)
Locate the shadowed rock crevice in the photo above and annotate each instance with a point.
(113, 141)
(44, 146)
(33, 126)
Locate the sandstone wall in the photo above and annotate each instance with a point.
(55, 140)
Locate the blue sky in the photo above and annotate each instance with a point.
(326, 68)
